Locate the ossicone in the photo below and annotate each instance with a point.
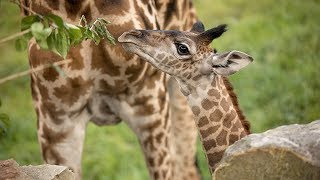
(208, 36)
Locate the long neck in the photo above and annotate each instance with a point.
(217, 118)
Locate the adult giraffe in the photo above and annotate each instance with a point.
(105, 85)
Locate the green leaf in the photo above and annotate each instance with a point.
(43, 44)
(56, 20)
(0, 103)
(38, 31)
(4, 123)
(104, 21)
(27, 21)
(50, 42)
(21, 44)
(62, 43)
(28, 36)
(96, 38)
(75, 33)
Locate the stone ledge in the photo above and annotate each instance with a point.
(10, 170)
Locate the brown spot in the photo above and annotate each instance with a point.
(234, 101)
(71, 92)
(159, 137)
(195, 110)
(211, 143)
(222, 138)
(165, 61)
(233, 138)
(142, 106)
(101, 60)
(43, 91)
(166, 120)
(228, 119)
(162, 155)
(39, 57)
(164, 173)
(214, 82)
(156, 175)
(209, 131)
(151, 161)
(72, 8)
(162, 99)
(112, 7)
(178, 65)
(148, 144)
(214, 92)
(53, 4)
(197, 77)
(87, 13)
(48, 152)
(40, 9)
(171, 63)
(150, 127)
(119, 86)
(236, 126)
(51, 155)
(51, 136)
(152, 79)
(34, 92)
(214, 158)
(77, 62)
(50, 111)
(207, 104)
(203, 121)
(160, 56)
(50, 74)
(216, 115)
(224, 104)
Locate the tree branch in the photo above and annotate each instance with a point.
(13, 36)
(39, 68)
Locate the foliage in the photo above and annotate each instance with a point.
(52, 33)
(4, 122)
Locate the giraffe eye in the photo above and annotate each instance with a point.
(182, 49)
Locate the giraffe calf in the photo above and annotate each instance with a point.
(201, 74)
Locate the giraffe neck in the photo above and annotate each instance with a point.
(217, 117)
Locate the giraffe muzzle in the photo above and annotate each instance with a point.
(129, 36)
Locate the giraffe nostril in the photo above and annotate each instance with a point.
(136, 33)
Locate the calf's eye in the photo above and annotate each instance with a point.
(182, 49)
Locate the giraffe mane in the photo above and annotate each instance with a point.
(235, 103)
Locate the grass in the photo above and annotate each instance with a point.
(280, 87)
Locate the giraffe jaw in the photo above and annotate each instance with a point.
(136, 49)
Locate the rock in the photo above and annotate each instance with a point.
(10, 170)
(288, 153)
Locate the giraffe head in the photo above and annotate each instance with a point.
(184, 54)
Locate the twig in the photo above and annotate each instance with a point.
(13, 36)
(26, 8)
(40, 68)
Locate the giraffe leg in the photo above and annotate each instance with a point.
(184, 133)
(62, 144)
(145, 110)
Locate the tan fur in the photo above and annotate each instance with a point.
(106, 85)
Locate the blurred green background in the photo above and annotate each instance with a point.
(280, 87)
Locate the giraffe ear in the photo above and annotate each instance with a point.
(198, 27)
(229, 63)
(208, 36)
